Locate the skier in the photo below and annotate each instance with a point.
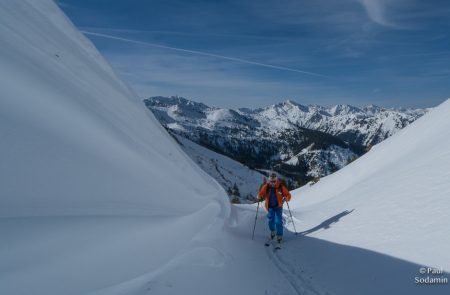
(275, 194)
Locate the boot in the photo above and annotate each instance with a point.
(279, 239)
(272, 235)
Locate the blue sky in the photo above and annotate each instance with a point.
(243, 53)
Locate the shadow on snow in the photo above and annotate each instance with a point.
(327, 223)
(344, 269)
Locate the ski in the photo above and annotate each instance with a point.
(276, 245)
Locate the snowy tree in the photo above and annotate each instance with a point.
(235, 190)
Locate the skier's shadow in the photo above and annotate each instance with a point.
(327, 223)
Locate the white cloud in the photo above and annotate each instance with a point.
(379, 11)
(376, 11)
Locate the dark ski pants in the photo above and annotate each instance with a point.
(275, 218)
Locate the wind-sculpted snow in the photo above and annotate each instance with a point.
(93, 191)
(75, 139)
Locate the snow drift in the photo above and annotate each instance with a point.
(85, 168)
(74, 137)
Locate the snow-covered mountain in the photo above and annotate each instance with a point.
(303, 142)
(367, 126)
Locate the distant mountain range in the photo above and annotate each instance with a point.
(301, 142)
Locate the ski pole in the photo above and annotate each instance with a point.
(257, 208)
(291, 217)
(256, 217)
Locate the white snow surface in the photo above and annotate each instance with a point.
(397, 197)
(96, 198)
(75, 139)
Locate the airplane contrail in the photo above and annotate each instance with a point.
(184, 33)
(203, 53)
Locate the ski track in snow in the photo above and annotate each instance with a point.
(295, 276)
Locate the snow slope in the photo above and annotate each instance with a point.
(72, 133)
(225, 170)
(392, 204)
(85, 168)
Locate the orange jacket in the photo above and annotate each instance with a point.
(281, 191)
